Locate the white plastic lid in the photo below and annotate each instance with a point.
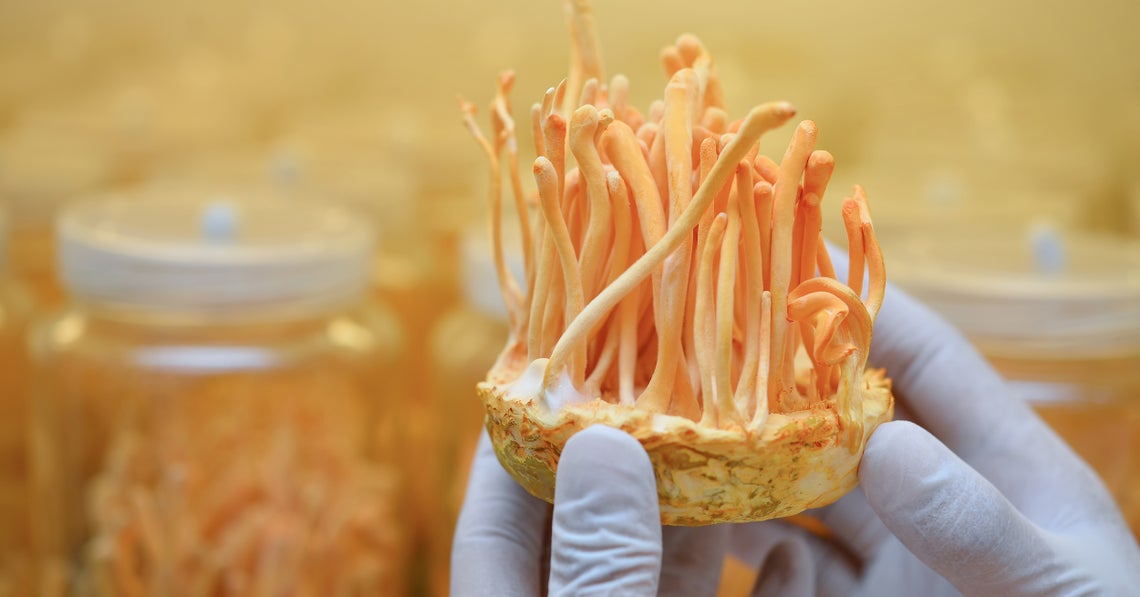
(1035, 293)
(213, 253)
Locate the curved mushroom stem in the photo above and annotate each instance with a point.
(677, 147)
(754, 289)
(816, 176)
(762, 194)
(705, 324)
(876, 276)
(760, 415)
(502, 110)
(726, 281)
(855, 331)
(545, 176)
(585, 51)
(554, 139)
(583, 126)
(509, 287)
(706, 158)
(820, 314)
(792, 168)
(855, 253)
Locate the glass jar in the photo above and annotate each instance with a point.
(464, 344)
(1059, 316)
(210, 410)
(14, 307)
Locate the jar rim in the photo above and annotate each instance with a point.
(212, 253)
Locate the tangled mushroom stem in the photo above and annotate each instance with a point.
(670, 266)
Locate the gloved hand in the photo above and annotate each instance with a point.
(988, 502)
(605, 537)
(997, 505)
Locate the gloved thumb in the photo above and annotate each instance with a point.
(606, 536)
(951, 517)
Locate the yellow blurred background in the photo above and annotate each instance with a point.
(1015, 124)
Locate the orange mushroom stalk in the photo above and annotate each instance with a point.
(678, 288)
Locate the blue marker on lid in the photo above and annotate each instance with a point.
(1050, 256)
(219, 221)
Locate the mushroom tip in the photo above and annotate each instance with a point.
(556, 120)
(585, 115)
(821, 157)
(688, 40)
(542, 164)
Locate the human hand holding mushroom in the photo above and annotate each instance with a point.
(684, 352)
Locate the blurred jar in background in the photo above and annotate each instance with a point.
(39, 174)
(364, 179)
(1059, 316)
(111, 123)
(919, 183)
(387, 163)
(14, 563)
(247, 167)
(465, 343)
(321, 159)
(210, 412)
(63, 57)
(148, 118)
(419, 277)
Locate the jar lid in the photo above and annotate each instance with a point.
(213, 253)
(1038, 292)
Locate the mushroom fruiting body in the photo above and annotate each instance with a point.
(677, 288)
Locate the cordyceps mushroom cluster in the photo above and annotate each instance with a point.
(677, 287)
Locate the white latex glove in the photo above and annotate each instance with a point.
(605, 536)
(988, 502)
(999, 505)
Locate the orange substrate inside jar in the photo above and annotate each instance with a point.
(1094, 405)
(31, 255)
(149, 452)
(1107, 436)
(15, 577)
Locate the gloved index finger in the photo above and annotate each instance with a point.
(501, 533)
(606, 536)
